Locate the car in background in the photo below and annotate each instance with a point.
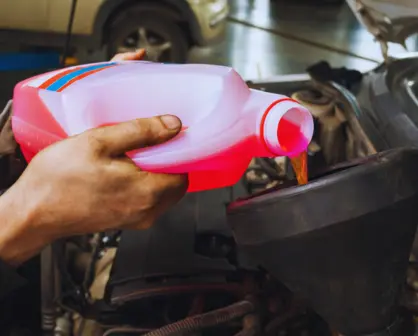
(387, 20)
(167, 29)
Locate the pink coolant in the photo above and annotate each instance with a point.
(226, 124)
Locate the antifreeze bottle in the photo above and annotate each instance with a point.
(225, 124)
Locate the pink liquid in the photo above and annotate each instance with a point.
(226, 124)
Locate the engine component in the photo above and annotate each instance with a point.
(157, 279)
(317, 103)
(335, 241)
(200, 322)
(332, 134)
(125, 330)
(63, 325)
(49, 283)
(156, 260)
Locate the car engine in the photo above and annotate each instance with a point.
(204, 270)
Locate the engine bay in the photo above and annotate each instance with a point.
(191, 274)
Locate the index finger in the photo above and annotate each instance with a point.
(130, 56)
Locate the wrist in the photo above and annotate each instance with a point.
(21, 234)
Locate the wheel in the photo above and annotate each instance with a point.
(159, 35)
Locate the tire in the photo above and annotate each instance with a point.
(160, 26)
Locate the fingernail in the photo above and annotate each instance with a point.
(140, 51)
(170, 122)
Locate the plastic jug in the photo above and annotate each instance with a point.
(225, 124)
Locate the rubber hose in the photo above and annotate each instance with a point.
(125, 330)
(210, 319)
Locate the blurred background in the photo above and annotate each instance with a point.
(190, 262)
(259, 38)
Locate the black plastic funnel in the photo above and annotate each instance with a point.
(342, 241)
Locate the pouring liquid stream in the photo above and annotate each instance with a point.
(300, 167)
(299, 162)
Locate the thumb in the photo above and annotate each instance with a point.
(139, 133)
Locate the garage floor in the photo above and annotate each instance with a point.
(270, 37)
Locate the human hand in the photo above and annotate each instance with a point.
(86, 184)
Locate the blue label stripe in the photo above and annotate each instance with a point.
(65, 79)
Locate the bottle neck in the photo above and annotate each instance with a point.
(283, 127)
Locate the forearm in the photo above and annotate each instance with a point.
(20, 233)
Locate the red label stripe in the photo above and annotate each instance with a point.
(64, 79)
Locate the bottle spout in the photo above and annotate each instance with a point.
(286, 128)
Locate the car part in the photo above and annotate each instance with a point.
(384, 105)
(321, 239)
(184, 271)
(199, 272)
(388, 21)
(203, 264)
(199, 322)
(205, 247)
